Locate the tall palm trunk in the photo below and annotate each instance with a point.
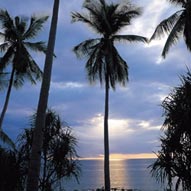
(7, 98)
(106, 137)
(35, 160)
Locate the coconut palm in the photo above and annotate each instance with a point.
(104, 62)
(16, 33)
(176, 26)
(35, 162)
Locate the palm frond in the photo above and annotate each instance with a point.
(187, 29)
(99, 13)
(5, 20)
(174, 35)
(18, 80)
(84, 48)
(26, 67)
(6, 58)
(178, 2)
(6, 139)
(92, 6)
(20, 25)
(121, 18)
(36, 46)
(166, 25)
(3, 80)
(2, 36)
(4, 46)
(97, 17)
(118, 69)
(36, 24)
(95, 65)
(85, 18)
(130, 38)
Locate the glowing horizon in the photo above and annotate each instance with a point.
(120, 156)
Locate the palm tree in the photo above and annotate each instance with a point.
(35, 162)
(104, 62)
(16, 34)
(175, 26)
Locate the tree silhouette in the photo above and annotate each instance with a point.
(35, 162)
(15, 34)
(103, 60)
(58, 156)
(174, 158)
(175, 26)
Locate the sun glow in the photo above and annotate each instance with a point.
(120, 156)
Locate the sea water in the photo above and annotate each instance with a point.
(127, 174)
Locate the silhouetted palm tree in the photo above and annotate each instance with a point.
(175, 26)
(35, 162)
(16, 33)
(104, 62)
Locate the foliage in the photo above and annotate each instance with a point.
(175, 26)
(12, 175)
(59, 157)
(102, 57)
(174, 158)
(3, 80)
(35, 162)
(104, 62)
(16, 33)
(6, 139)
(15, 46)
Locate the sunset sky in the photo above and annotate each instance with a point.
(135, 110)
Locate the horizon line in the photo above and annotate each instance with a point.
(121, 156)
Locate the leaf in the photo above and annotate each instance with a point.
(5, 139)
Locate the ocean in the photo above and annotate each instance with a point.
(127, 174)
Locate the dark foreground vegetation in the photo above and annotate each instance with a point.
(59, 157)
(173, 164)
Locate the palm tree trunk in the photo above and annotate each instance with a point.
(7, 98)
(35, 160)
(106, 137)
(44, 170)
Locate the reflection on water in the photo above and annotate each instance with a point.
(118, 173)
(129, 174)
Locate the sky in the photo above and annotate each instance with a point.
(136, 115)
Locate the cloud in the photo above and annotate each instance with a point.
(135, 111)
(66, 85)
(121, 133)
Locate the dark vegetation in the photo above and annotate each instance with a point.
(58, 157)
(173, 164)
